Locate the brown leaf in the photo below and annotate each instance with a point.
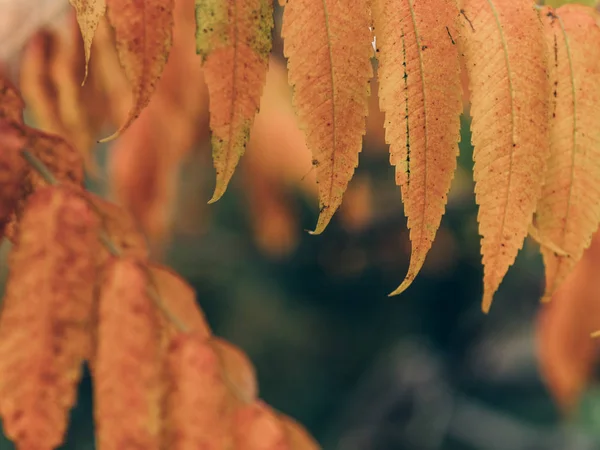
(126, 366)
(45, 322)
(143, 33)
(198, 405)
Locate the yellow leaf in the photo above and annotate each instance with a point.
(126, 365)
(143, 33)
(569, 210)
(198, 411)
(506, 60)
(45, 322)
(420, 93)
(234, 39)
(89, 13)
(328, 45)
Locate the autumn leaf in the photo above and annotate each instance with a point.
(234, 39)
(506, 60)
(257, 427)
(143, 33)
(61, 160)
(126, 372)
(566, 352)
(45, 322)
(145, 162)
(328, 46)
(13, 170)
(420, 93)
(180, 299)
(89, 13)
(238, 369)
(198, 411)
(121, 228)
(298, 437)
(569, 210)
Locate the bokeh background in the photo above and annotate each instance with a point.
(423, 371)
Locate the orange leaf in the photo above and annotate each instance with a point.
(569, 210)
(328, 46)
(121, 228)
(143, 33)
(13, 170)
(45, 322)
(506, 59)
(298, 437)
(567, 352)
(238, 368)
(234, 39)
(257, 427)
(126, 366)
(198, 405)
(180, 299)
(420, 94)
(61, 159)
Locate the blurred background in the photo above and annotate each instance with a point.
(423, 371)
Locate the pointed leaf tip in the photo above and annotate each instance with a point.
(143, 46)
(234, 40)
(328, 45)
(422, 107)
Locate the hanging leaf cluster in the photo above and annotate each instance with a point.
(82, 289)
(534, 82)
